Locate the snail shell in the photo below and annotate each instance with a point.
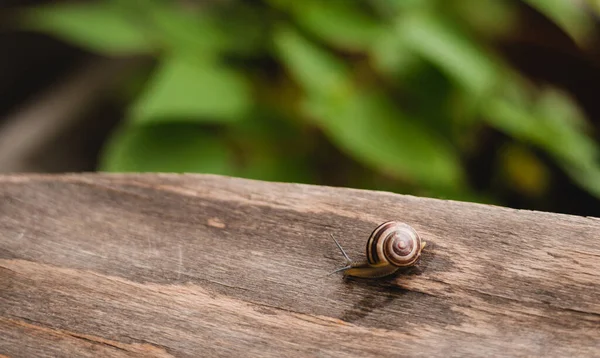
(392, 245)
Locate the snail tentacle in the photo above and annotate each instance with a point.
(341, 249)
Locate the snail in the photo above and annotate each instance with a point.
(392, 245)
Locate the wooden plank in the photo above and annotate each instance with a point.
(200, 265)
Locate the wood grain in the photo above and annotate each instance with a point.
(200, 265)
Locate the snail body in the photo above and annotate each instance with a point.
(391, 246)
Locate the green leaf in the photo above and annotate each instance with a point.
(370, 129)
(166, 148)
(195, 91)
(366, 125)
(594, 5)
(577, 153)
(195, 33)
(544, 123)
(571, 16)
(339, 23)
(554, 124)
(391, 55)
(453, 52)
(393, 7)
(97, 26)
(486, 18)
(316, 70)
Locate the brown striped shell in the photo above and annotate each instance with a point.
(394, 242)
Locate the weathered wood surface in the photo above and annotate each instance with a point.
(189, 266)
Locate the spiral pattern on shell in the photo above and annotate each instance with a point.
(394, 242)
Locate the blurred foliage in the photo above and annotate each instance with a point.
(400, 87)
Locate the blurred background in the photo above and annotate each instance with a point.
(491, 101)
